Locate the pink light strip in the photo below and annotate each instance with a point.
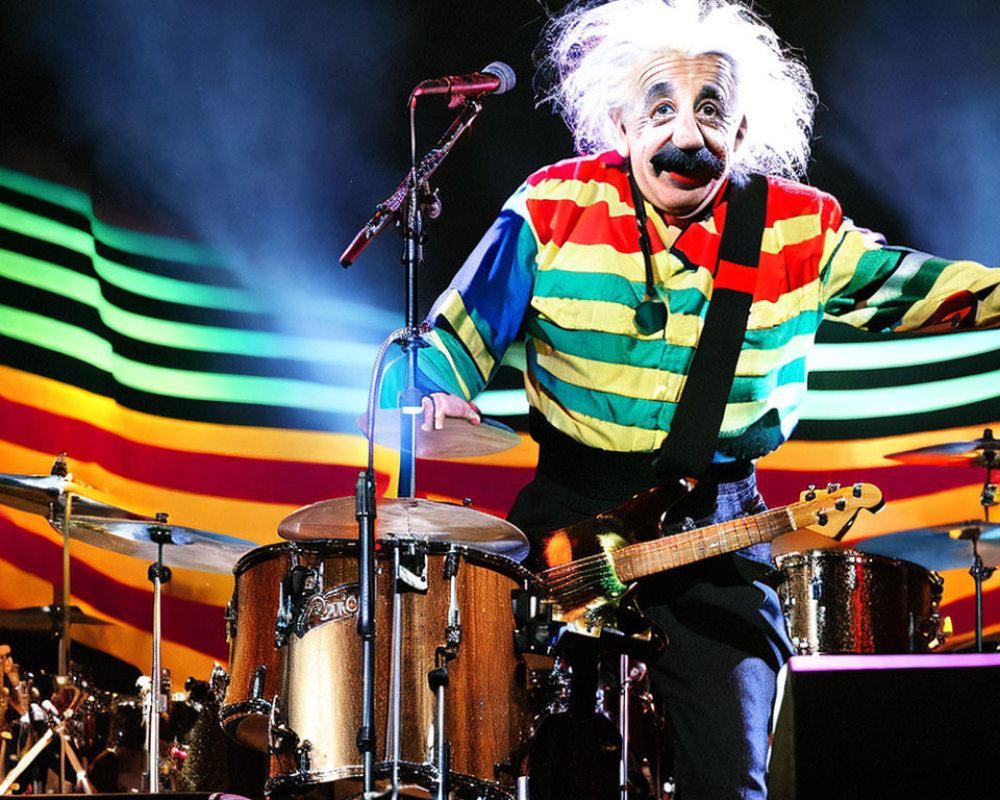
(833, 663)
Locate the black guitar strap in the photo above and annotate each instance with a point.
(688, 449)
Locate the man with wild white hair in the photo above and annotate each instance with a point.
(692, 122)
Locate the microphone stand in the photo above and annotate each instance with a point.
(412, 196)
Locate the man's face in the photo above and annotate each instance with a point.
(680, 129)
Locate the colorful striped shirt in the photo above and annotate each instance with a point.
(562, 267)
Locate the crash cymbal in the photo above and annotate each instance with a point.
(46, 495)
(459, 438)
(984, 452)
(43, 618)
(408, 518)
(938, 547)
(187, 548)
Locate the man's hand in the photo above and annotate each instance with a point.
(439, 405)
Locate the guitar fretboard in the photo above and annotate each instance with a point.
(686, 547)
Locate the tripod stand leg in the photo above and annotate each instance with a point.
(25, 761)
(81, 773)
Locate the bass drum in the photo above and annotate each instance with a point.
(843, 601)
(320, 712)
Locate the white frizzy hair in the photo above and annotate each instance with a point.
(591, 53)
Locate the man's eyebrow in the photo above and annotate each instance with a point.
(711, 92)
(656, 91)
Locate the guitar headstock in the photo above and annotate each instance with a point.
(832, 511)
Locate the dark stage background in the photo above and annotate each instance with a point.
(271, 130)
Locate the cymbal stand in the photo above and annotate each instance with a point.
(158, 574)
(64, 621)
(61, 468)
(978, 570)
(64, 616)
(406, 205)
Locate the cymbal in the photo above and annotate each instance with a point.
(43, 618)
(408, 518)
(984, 452)
(938, 547)
(187, 548)
(46, 495)
(458, 438)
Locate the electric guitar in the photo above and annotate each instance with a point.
(591, 565)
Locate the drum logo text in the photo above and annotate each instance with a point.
(333, 605)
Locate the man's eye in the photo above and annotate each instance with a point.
(662, 110)
(710, 110)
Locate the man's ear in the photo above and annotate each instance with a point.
(621, 139)
(740, 134)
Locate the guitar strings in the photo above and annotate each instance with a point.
(563, 580)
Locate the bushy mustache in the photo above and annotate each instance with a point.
(671, 158)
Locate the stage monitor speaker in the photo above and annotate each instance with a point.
(887, 728)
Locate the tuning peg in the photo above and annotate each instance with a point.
(811, 493)
(832, 487)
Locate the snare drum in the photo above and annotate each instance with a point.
(844, 601)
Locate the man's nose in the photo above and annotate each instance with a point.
(687, 134)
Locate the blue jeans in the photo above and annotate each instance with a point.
(717, 678)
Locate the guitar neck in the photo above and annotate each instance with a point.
(646, 558)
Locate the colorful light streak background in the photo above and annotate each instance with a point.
(178, 179)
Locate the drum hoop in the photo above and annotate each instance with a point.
(496, 561)
(423, 776)
(802, 557)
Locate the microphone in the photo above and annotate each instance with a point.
(495, 78)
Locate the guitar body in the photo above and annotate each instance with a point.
(590, 542)
(635, 520)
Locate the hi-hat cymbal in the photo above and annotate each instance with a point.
(408, 518)
(458, 438)
(938, 547)
(187, 548)
(984, 452)
(46, 495)
(43, 618)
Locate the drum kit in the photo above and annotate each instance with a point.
(452, 692)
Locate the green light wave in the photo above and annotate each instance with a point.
(846, 404)
(837, 357)
(188, 336)
(75, 342)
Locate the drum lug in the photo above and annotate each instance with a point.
(257, 682)
(219, 683)
(297, 588)
(230, 619)
(411, 567)
(302, 757)
(280, 738)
